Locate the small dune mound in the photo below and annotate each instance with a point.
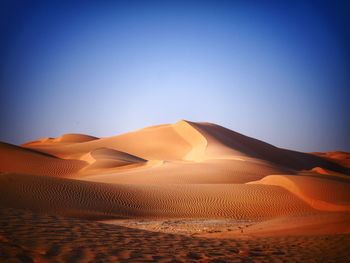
(75, 137)
(42, 140)
(323, 171)
(104, 158)
(21, 160)
(339, 157)
(105, 153)
(320, 193)
(320, 170)
(65, 138)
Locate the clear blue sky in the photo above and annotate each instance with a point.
(276, 72)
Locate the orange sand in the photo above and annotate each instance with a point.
(184, 170)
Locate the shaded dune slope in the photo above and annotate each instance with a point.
(88, 200)
(228, 142)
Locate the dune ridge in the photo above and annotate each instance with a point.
(339, 157)
(191, 135)
(65, 138)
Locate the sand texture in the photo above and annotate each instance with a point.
(30, 237)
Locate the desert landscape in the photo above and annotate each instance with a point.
(182, 192)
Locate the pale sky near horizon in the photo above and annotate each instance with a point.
(276, 72)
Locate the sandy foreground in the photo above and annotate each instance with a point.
(172, 193)
(30, 237)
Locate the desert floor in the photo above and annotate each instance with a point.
(32, 237)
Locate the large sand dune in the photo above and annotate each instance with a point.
(185, 171)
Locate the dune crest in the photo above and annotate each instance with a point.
(194, 138)
(65, 138)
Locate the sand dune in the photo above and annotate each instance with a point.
(167, 177)
(153, 143)
(224, 142)
(320, 193)
(191, 141)
(104, 158)
(17, 159)
(189, 162)
(342, 158)
(65, 138)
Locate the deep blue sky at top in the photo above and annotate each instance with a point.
(276, 72)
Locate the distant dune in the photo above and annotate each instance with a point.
(181, 170)
(342, 158)
(71, 137)
(29, 161)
